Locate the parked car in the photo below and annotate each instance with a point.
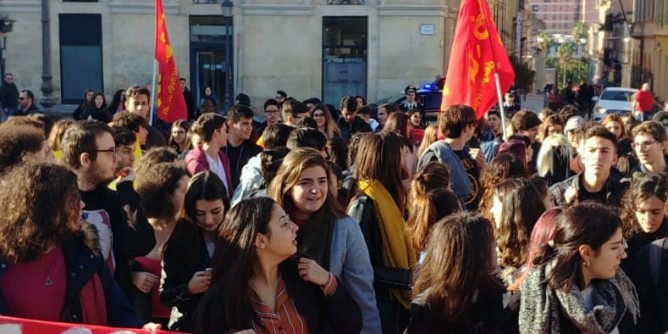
(613, 100)
(431, 97)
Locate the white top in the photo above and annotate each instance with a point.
(216, 167)
(587, 297)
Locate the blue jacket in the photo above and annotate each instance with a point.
(82, 261)
(349, 261)
(440, 151)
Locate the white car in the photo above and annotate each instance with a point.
(613, 100)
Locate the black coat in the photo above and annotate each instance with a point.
(614, 190)
(184, 254)
(348, 130)
(486, 316)
(9, 95)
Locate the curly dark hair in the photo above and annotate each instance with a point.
(18, 144)
(155, 186)
(502, 167)
(643, 188)
(155, 156)
(41, 202)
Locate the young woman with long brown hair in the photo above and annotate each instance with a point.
(469, 298)
(326, 234)
(262, 287)
(379, 206)
(187, 253)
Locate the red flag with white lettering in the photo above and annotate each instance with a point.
(477, 53)
(169, 96)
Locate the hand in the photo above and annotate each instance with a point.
(478, 156)
(151, 327)
(126, 174)
(199, 283)
(246, 331)
(571, 195)
(144, 281)
(312, 272)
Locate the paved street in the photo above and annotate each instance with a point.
(533, 102)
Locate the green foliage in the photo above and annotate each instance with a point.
(523, 73)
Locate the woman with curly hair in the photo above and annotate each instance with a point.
(643, 211)
(516, 207)
(501, 168)
(51, 264)
(20, 143)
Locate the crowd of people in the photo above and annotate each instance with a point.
(327, 219)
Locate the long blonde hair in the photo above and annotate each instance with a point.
(550, 144)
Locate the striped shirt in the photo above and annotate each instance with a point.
(286, 319)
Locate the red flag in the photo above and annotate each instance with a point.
(169, 96)
(477, 53)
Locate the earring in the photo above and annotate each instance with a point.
(586, 264)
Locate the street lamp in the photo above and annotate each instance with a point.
(6, 26)
(227, 14)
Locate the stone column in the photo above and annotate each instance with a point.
(47, 100)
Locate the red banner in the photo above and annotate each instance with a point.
(9, 325)
(169, 97)
(477, 53)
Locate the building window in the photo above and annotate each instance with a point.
(80, 55)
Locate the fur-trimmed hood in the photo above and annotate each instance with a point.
(91, 237)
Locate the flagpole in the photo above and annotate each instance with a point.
(497, 80)
(501, 109)
(155, 74)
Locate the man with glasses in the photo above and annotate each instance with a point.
(124, 232)
(26, 104)
(9, 96)
(649, 143)
(597, 182)
(272, 115)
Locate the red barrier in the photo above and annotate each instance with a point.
(9, 325)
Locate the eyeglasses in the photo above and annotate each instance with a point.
(270, 111)
(21, 98)
(111, 150)
(643, 145)
(318, 115)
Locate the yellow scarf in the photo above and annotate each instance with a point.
(397, 248)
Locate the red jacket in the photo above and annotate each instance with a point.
(196, 162)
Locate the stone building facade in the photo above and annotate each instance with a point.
(308, 48)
